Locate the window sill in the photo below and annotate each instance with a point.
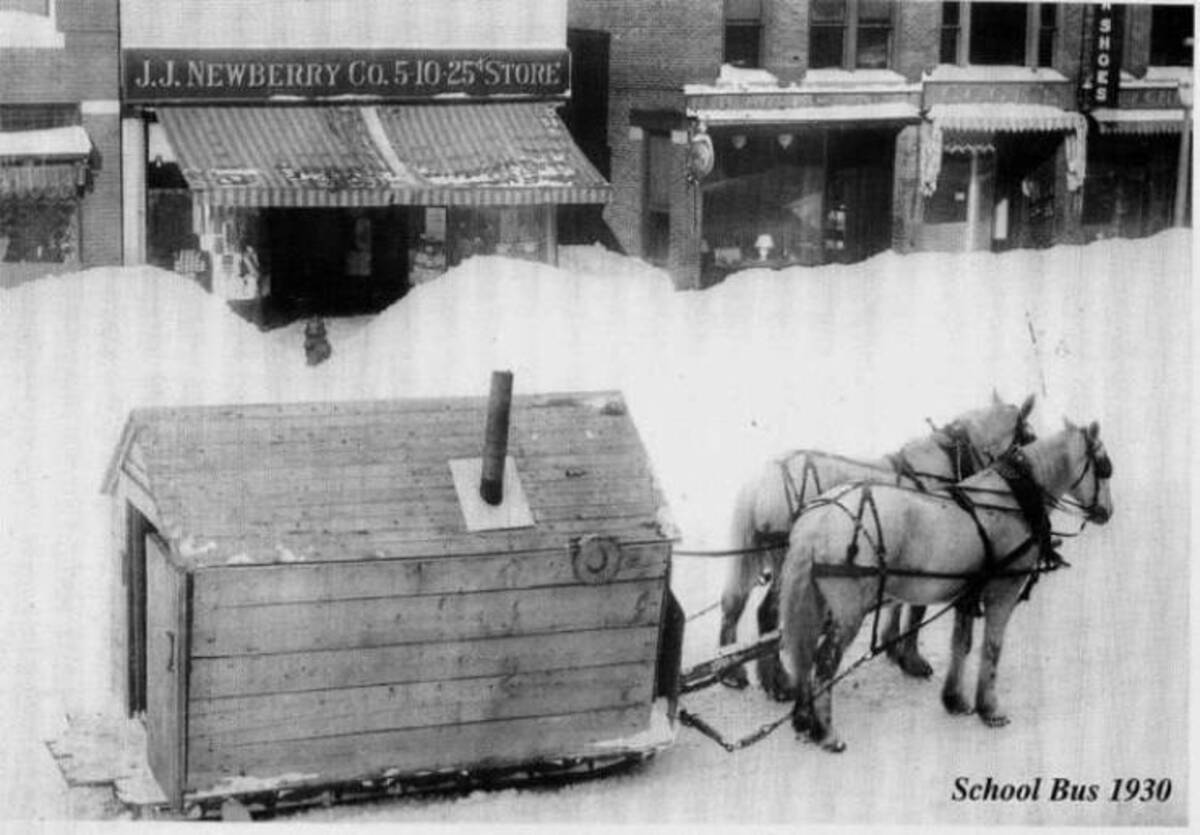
(992, 74)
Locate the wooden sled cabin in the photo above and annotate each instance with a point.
(317, 593)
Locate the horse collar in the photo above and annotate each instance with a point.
(1015, 469)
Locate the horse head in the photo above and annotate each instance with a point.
(1089, 469)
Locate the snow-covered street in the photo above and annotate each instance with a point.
(852, 359)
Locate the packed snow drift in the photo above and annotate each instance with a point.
(851, 359)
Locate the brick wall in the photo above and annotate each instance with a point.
(656, 43)
(785, 43)
(86, 67)
(916, 43)
(100, 209)
(1136, 54)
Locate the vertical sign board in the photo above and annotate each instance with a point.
(1107, 35)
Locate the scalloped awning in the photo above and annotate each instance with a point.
(975, 119)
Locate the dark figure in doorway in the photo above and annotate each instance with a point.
(316, 344)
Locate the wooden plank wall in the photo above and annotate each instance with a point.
(344, 669)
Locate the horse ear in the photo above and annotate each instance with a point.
(996, 401)
(1093, 430)
(1067, 423)
(1027, 406)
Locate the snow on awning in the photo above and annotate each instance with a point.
(880, 112)
(446, 154)
(70, 141)
(975, 119)
(494, 154)
(50, 163)
(1147, 121)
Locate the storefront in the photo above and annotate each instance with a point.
(1139, 162)
(294, 182)
(44, 174)
(1000, 163)
(802, 177)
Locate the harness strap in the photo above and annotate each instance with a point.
(905, 470)
(1015, 469)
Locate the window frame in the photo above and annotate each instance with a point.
(1035, 33)
(850, 24)
(1155, 49)
(737, 17)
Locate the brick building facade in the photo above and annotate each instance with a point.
(60, 147)
(782, 132)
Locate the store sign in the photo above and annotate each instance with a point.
(1106, 56)
(157, 75)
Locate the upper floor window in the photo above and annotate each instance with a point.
(999, 33)
(1047, 31)
(743, 33)
(1172, 35)
(850, 34)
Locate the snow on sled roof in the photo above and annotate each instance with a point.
(371, 479)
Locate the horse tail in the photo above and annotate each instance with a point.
(802, 612)
(743, 569)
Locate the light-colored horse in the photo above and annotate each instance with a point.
(921, 549)
(767, 506)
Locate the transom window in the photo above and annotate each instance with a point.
(850, 34)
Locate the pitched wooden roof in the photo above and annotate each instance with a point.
(355, 480)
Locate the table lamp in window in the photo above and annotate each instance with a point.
(764, 245)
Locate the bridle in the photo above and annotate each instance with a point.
(1096, 462)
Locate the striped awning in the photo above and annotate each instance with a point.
(1139, 121)
(43, 179)
(448, 154)
(44, 164)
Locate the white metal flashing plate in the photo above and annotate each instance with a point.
(512, 512)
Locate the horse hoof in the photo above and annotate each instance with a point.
(956, 704)
(915, 666)
(834, 746)
(994, 720)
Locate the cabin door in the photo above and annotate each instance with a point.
(165, 665)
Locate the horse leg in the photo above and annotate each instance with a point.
(802, 613)
(829, 657)
(996, 615)
(960, 648)
(847, 618)
(770, 673)
(906, 652)
(741, 578)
